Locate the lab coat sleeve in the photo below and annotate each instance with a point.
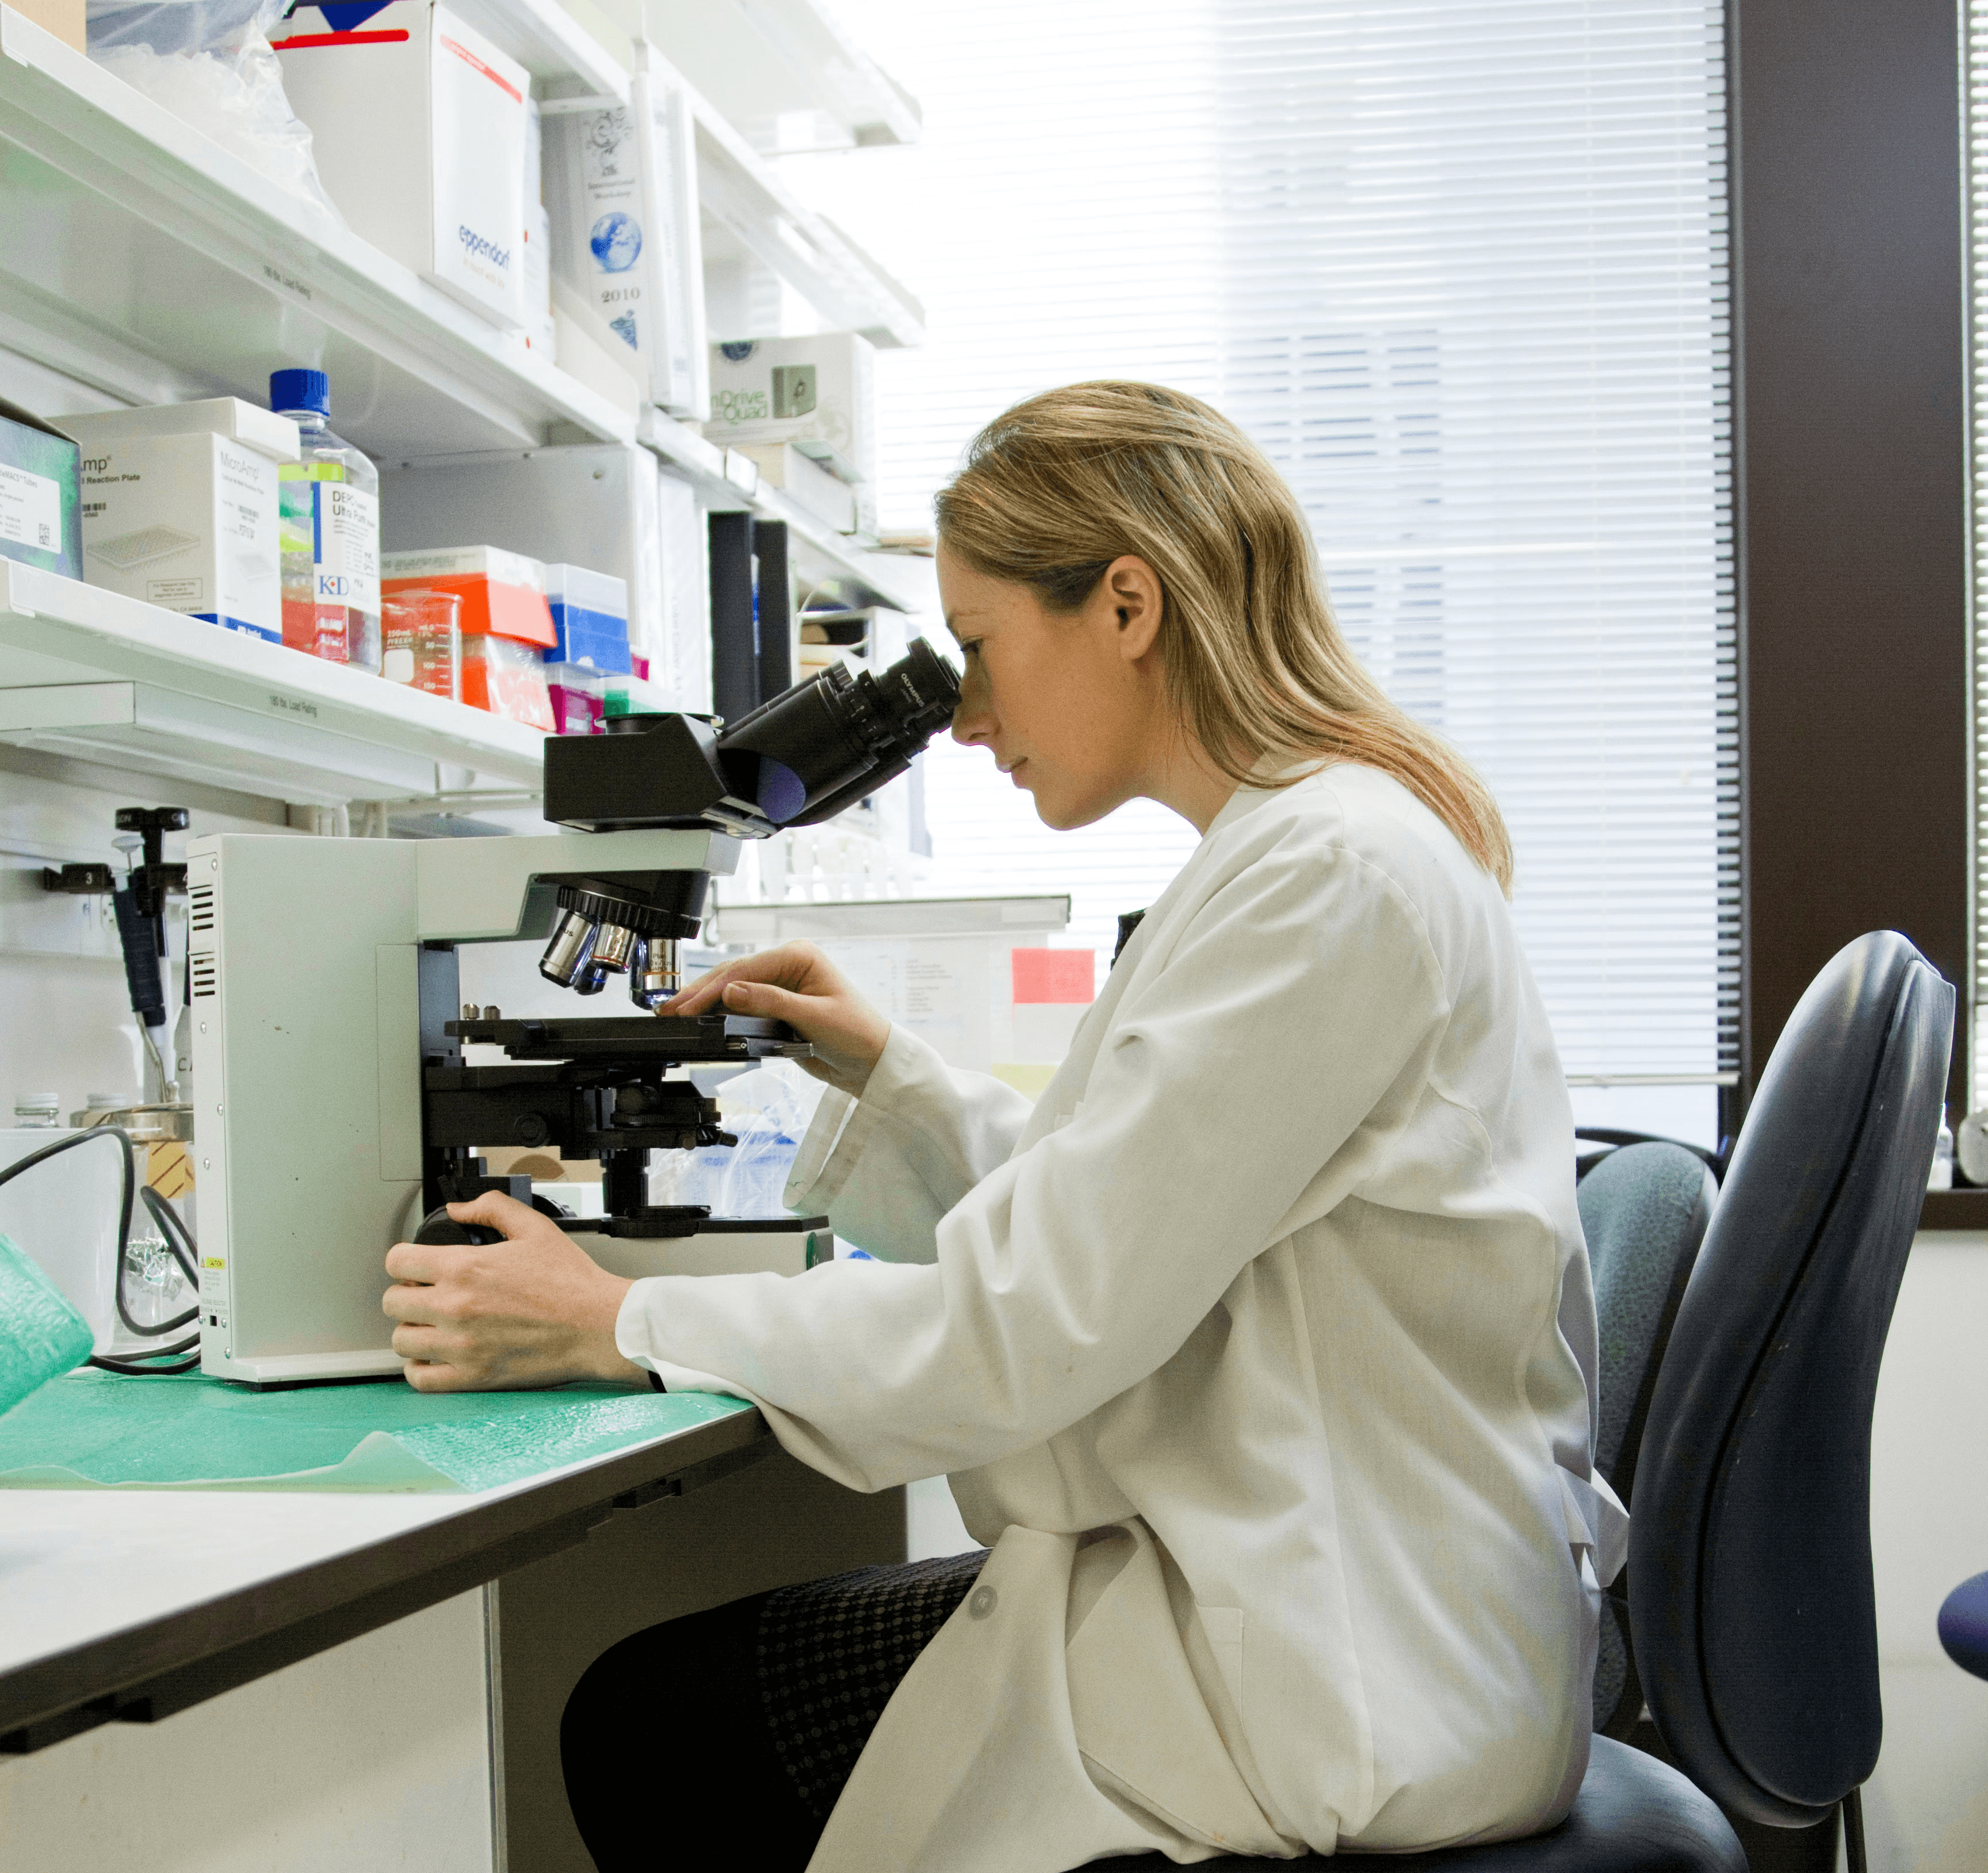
(886, 1168)
(1238, 1097)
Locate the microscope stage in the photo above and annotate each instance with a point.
(671, 1040)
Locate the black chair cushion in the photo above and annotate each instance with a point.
(1634, 1815)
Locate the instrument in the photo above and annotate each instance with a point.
(336, 1110)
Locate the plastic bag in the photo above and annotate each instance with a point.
(209, 63)
(769, 1110)
(42, 1336)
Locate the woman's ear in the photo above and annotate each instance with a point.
(1132, 589)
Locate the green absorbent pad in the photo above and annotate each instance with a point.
(100, 1430)
(41, 1335)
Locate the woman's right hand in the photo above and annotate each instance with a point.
(797, 984)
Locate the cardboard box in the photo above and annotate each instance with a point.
(40, 509)
(417, 123)
(817, 393)
(180, 508)
(812, 488)
(65, 19)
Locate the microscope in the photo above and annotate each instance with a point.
(337, 1110)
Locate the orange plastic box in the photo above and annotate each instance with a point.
(503, 593)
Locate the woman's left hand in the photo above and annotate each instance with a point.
(533, 1310)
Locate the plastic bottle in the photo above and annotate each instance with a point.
(330, 505)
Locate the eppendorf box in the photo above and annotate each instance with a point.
(418, 124)
(179, 508)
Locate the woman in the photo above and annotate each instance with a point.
(1261, 1351)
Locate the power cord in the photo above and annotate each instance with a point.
(179, 1244)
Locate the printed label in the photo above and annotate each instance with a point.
(176, 594)
(348, 546)
(477, 65)
(30, 510)
(610, 164)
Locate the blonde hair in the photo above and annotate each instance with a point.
(1058, 487)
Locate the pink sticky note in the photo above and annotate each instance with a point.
(1055, 974)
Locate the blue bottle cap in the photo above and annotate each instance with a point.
(300, 390)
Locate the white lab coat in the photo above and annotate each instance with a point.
(1262, 1350)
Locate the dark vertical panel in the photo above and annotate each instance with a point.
(1849, 342)
(776, 608)
(734, 638)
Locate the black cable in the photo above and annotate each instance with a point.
(179, 1238)
(130, 1368)
(46, 1151)
(153, 1204)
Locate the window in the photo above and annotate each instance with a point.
(1459, 267)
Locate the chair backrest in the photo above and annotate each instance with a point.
(1644, 1210)
(1751, 1600)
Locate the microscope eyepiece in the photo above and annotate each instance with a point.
(797, 760)
(824, 744)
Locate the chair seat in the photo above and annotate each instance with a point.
(1634, 1815)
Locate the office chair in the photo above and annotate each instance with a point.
(1644, 1209)
(1753, 1616)
(1963, 1626)
(1612, 1140)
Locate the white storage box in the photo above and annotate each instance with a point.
(813, 488)
(180, 509)
(417, 122)
(540, 334)
(817, 393)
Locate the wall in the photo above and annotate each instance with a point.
(65, 1020)
(1926, 1807)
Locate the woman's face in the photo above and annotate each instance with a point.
(1071, 705)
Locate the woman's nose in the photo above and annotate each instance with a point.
(972, 720)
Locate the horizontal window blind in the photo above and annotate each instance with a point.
(1459, 267)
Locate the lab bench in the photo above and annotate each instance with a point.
(224, 1680)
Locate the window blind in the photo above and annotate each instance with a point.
(1460, 266)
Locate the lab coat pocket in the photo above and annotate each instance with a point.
(1222, 1626)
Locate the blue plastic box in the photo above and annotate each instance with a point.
(590, 614)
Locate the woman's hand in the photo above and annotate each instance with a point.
(533, 1309)
(797, 984)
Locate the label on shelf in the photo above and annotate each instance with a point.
(30, 510)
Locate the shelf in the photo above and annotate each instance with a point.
(141, 257)
(109, 679)
(740, 191)
(760, 61)
(549, 42)
(819, 557)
